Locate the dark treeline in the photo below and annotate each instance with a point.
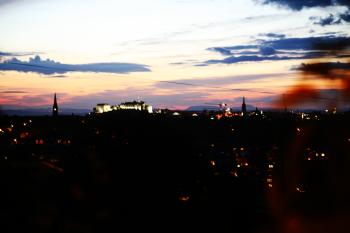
(133, 172)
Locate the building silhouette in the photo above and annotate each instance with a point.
(55, 107)
(244, 108)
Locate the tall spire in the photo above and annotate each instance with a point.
(244, 107)
(55, 106)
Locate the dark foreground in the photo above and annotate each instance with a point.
(158, 173)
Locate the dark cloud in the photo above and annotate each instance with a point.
(283, 49)
(267, 50)
(300, 4)
(345, 16)
(239, 59)
(274, 35)
(305, 43)
(6, 54)
(323, 68)
(48, 67)
(223, 51)
(325, 21)
(332, 19)
(329, 20)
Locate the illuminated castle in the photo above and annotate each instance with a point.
(134, 105)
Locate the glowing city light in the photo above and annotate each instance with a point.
(184, 198)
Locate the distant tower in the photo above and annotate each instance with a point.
(55, 107)
(244, 108)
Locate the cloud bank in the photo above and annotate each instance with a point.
(49, 67)
(300, 4)
(331, 19)
(282, 49)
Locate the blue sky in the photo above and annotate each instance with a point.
(112, 51)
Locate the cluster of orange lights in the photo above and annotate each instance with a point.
(24, 135)
(64, 141)
(312, 155)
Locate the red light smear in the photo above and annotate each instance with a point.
(297, 95)
(50, 165)
(336, 72)
(308, 93)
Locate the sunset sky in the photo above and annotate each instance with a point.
(169, 53)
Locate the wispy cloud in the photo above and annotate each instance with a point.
(13, 92)
(216, 83)
(48, 67)
(16, 54)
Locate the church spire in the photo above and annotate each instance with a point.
(244, 107)
(55, 106)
